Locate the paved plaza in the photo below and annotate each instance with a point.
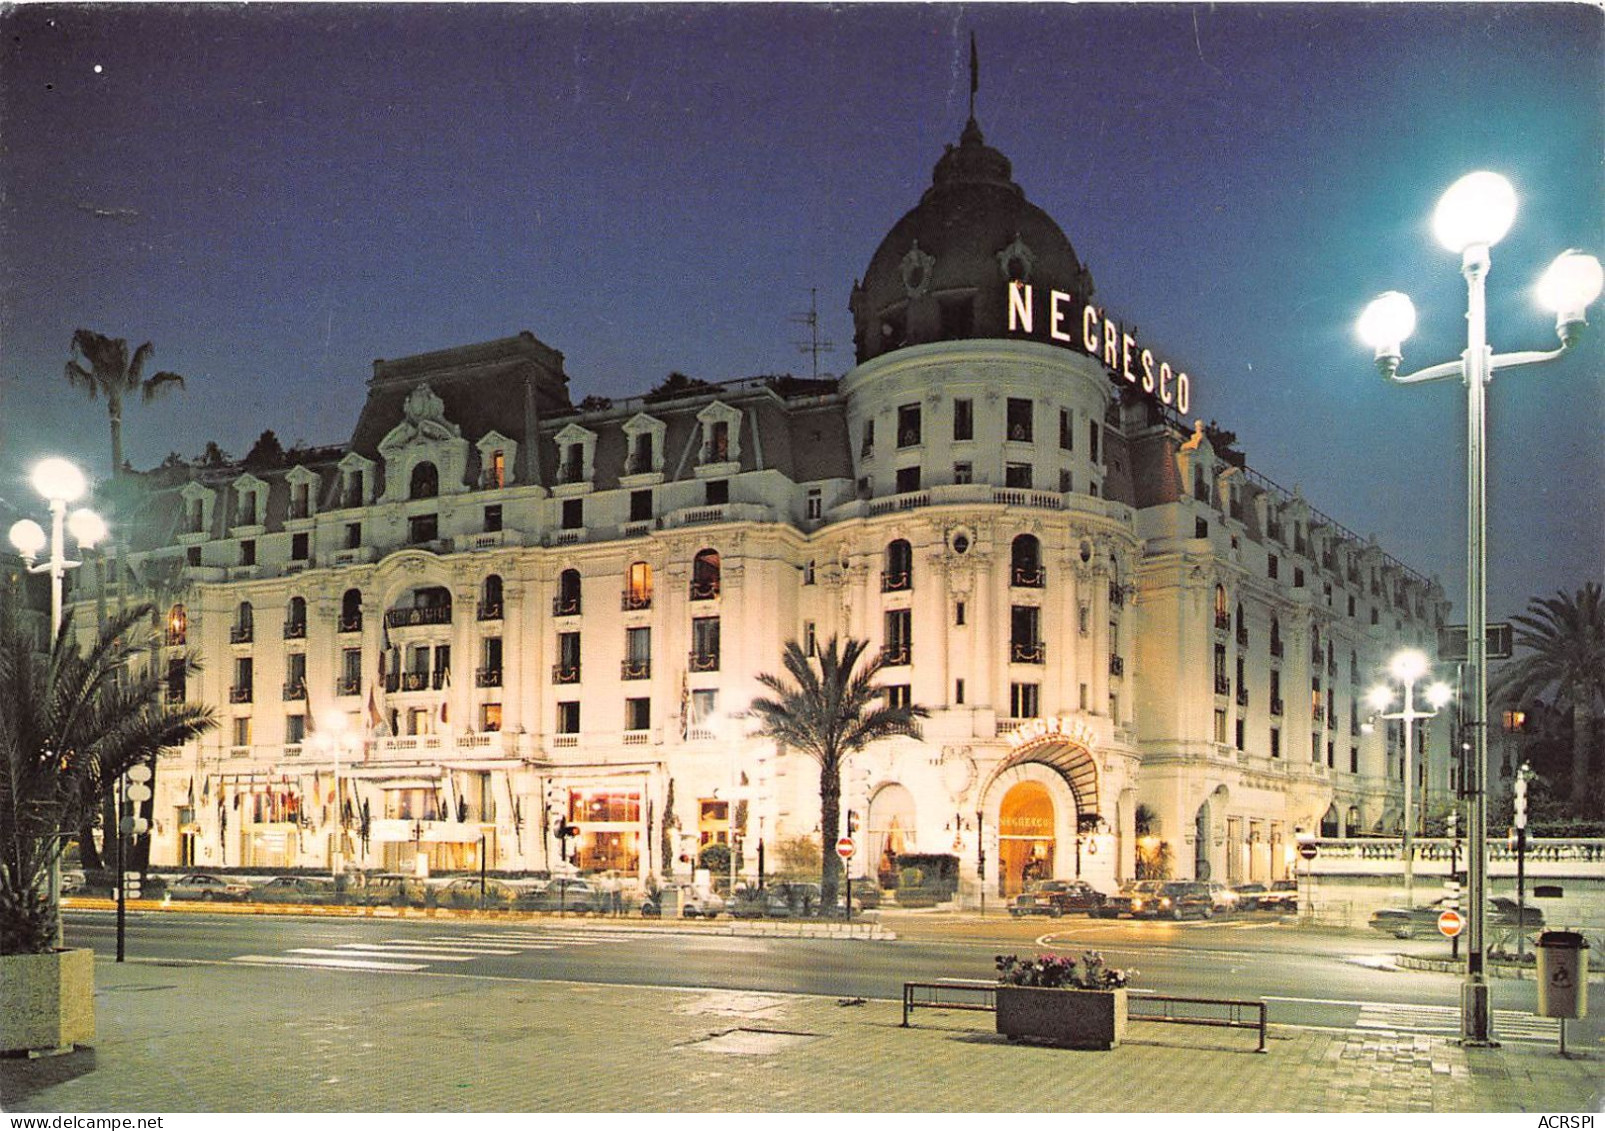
(179, 1037)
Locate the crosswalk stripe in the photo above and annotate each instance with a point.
(357, 950)
(450, 944)
(330, 963)
(532, 941)
(1445, 1019)
(411, 952)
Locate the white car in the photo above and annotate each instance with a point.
(204, 886)
(697, 904)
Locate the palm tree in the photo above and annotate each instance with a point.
(830, 714)
(1565, 637)
(101, 367)
(71, 723)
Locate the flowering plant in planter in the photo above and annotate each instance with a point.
(1051, 971)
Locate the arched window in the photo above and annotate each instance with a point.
(899, 571)
(1329, 823)
(425, 481)
(638, 586)
(1025, 562)
(351, 611)
(1223, 611)
(244, 624)
(295, 619)
(177, 624)
(705, 575)
(490, 598)
(567, 601)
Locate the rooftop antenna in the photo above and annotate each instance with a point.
(810, 318)
(975, 74)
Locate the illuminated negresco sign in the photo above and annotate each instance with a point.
(1088, 329)
(1075, 730)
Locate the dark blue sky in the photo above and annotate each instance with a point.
(278, 195)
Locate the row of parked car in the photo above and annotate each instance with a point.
(576, 895)
(1153, 899)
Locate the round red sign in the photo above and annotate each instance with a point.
(844, 848)
(1449, 923)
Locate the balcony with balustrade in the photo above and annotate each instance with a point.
(635, 669)
(703, 660)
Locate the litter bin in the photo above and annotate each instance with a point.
(1562, 974)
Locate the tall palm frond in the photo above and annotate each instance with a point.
(830, 714)
(101, 367)
(1564, 637)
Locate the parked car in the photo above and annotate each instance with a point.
(207, 887)
(1248, 896)
(294, 889)
(1408, 922)
(388, 889)
(567, 895)
(1133, 896)
(1222, 899)
(1055, 897)
(73, 880)
(466, 893)
(1282, 895)
(1177, 899)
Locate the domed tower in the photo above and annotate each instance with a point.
(941, 273)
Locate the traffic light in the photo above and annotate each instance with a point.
(852, 822)
(1520, 797)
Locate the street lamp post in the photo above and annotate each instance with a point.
(60, 482)
(1472, 216)
(1408, 666)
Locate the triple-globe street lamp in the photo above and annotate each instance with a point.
(60, 482)
(1408, 667)
(1472, 216)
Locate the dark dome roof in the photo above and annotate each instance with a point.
(939, 274)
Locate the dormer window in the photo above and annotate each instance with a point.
(640, 454)
(576, 459)
(497, 456)
(425, 483)
(721, 438)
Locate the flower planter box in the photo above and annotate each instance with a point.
(1067, 1018)
(47, 1001)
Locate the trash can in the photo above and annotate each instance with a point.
(1562, 974)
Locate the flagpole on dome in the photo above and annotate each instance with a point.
(975, 75)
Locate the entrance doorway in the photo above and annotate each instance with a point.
(1025, 837)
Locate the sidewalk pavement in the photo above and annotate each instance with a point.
(181, 1037)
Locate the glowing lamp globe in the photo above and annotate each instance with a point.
(1477, 209)
(1379, 698)
(1408, 665)
(28, 537)
(1387, 321)
(58, 480)
(87, 527)
(1570, 284)
(1439, 694)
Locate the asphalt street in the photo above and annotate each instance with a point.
(1309, 977)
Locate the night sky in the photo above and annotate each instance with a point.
(275, 196)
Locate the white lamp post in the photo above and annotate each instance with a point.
(1472, 216)
(1408, 666)
(60, 482)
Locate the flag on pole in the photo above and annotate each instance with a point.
(443, 716)
(375, 716)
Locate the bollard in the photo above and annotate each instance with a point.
(1562, 977)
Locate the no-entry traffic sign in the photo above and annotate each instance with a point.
(845, 848)
(1449, 924)
(1307, 849)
